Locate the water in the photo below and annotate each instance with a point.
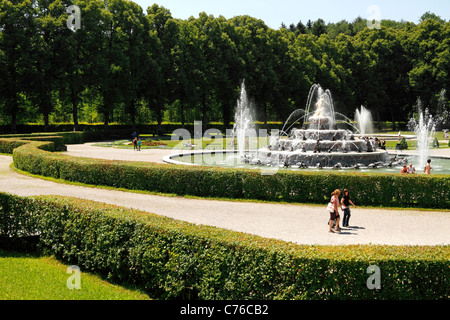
(230, 160)
(364, 120)
(321, 101)
(244, 127)
(424, 130)
(295, 117)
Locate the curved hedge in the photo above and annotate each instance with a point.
(172, 259)
(369, 189)
(71, 137)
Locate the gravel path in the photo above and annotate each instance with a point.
(89, 150)
(293, 223)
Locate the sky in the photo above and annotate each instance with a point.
(274, 12)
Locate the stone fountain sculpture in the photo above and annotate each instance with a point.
(320, 143)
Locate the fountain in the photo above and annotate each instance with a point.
(364, 120)
(424, 131)
(244, 126)
(320, 143)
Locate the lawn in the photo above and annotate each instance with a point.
(220, 143)
(149, 142)
(29, 277)
(412, 144)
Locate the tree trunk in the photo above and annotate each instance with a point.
(378, 121)
(159, 129)
(133, 114)
(226, 114)
(14, 122)
(204, 113)
(394, 128)
(264, 115)
(74, 110)
(107, 109)
(106, 114)
(46, 122)
(182, 114)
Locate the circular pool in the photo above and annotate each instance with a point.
(232, 159)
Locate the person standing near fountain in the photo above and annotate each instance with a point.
(334, 216)
(428, 167)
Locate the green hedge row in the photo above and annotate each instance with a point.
(171, 259)
(8, 145)
(370, 189)
(68, 137)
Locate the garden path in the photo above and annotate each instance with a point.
(300, 224)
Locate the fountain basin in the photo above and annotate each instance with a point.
(232, 159)
(323, 159)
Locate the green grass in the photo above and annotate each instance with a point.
(218, 143)
(221, 143)
(29, 277)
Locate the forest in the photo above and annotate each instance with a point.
(131, 65)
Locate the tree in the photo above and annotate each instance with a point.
(80, 48)
(139, 74)
(424, 43)
(429, 15)
(301, 28)
(48, 55)
(17, 29)
(166, 29)
(255, 48)
(443, 59)
(319, 28)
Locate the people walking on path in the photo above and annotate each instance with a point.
(346, 202)
(334, 215)
(135, 143)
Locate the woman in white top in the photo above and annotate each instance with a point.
(334, 216)
(411, 169)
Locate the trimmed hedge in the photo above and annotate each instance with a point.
(73, 137)
(172, 259)
(10, 144)
(370, 189)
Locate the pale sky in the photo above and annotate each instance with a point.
(274, 12)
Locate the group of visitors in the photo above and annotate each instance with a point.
(136, 141)
(409, 170)
(333, 208)
(381, 143)
(412, 170)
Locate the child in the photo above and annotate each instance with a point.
(139, 144)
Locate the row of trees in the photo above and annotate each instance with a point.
(127, 65)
